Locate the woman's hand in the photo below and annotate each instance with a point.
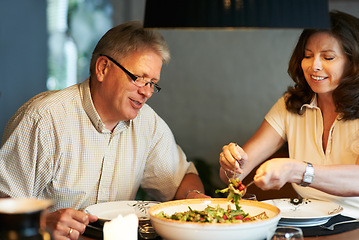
(274, 173)
(68, 223)
(232, 159)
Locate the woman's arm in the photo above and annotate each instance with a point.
(339, 180)
(259, 147)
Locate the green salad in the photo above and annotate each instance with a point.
(217, 214)
(235, 191)
(210, 215)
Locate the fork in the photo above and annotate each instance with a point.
(331, 227)
(245, 190)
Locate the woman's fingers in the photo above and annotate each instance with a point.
(232, 158)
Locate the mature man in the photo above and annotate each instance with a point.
(98, 141)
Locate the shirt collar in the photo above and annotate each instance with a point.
(93, 115)
(312, 104)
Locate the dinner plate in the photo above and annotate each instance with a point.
(110, 210)
(305, 212)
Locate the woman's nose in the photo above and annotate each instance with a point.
(317, 64)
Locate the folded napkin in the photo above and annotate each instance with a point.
(122, 227)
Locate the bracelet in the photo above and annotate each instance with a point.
(193, 190)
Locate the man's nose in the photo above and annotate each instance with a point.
(146, 90)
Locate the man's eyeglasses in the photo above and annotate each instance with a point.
(138, 81)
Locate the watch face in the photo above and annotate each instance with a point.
(308, 179)
(308, 175)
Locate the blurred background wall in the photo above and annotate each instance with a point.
(23, 48)
(217, 88)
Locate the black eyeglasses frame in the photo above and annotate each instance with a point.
(132, 76)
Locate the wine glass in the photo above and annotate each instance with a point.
(285, 233)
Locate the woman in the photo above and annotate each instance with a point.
(318, 117)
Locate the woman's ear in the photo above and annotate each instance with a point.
(102, 64)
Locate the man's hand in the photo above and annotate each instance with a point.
(196, 194)
(68, 223)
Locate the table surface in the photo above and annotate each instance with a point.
(350, 235)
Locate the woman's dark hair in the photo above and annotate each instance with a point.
(345, 28)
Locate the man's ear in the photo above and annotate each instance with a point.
(102, 64)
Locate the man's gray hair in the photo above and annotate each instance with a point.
(129, 37)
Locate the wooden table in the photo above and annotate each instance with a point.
(351, 235)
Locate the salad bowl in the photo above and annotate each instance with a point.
(170, 229)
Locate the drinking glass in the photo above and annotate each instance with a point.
(250, 196)
(146, 230)
(285, 233)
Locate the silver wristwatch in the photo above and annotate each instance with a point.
(308, 175)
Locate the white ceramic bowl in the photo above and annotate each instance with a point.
(172, 230)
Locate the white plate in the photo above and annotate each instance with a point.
(305, 212)
(110, 210)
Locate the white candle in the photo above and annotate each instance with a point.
(121, 228)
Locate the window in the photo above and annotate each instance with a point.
(74, 28)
